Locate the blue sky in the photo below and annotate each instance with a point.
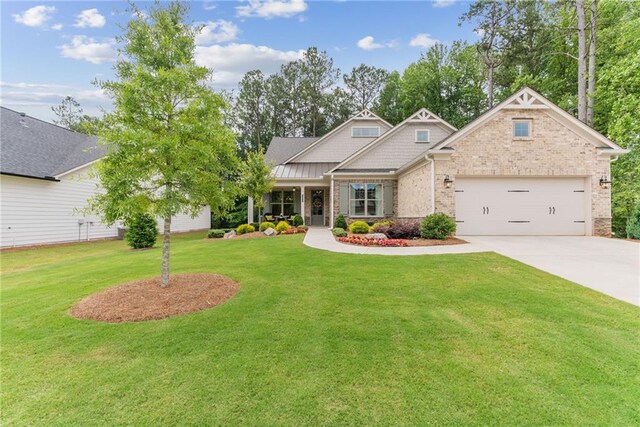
(54, 49)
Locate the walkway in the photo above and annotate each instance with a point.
(321, 238)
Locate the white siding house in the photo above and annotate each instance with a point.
(45, 182)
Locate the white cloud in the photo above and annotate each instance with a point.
(37, 16)
(87, 49)
(230, 62)
(208, 6)
(272, 8)
(422, 40)
(217, 32)
(57, 27)
(369, 43)
(90, 18)
(479, 32)
(443, 3)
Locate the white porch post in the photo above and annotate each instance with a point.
(331, 204)
(302, 187)
(249, 210)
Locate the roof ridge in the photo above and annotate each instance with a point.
(23, 114)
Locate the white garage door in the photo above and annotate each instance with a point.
(520, 206)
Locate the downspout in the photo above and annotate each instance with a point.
(433, 183)
(331, 204)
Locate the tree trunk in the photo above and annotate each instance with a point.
(582, 62)
(591, 83)
(490, 69)
(166, 240)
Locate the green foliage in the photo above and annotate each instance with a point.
(70, 116)
(340, 222)
(298, 220)
(252, 113)
(256, 178)
(216, 234)
(142, 232)
(364, 84)
(389, 105)
(339, 232)
(633, 224)
(437, 226)
(245, 228)
(282, 226)
(266, 224)
(359, 227)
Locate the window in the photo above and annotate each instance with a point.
(282, 203)
(522, 128)
(365, 132)
(365, 200)
(422, 135)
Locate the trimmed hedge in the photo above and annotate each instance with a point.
(437, 226)
(297, 221)
(359, 227)
(340, 222)
(339, 232)
(245, 229)
(216, 234)
(407, 230)
(142, 232)
(266, 225)
(282, 226)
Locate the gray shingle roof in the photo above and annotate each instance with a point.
(280, 149)
(32, 147)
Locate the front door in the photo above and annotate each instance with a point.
(317, 207)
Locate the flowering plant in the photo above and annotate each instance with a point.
(368, 241)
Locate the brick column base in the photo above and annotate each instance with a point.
(602, 227)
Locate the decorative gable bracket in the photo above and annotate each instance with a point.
(526, 100)
(423, 116)
(365, 115)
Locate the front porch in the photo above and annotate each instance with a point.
(312, 202)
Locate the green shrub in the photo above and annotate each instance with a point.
(216, 234)
(282, 226)
(142, 232)
(340, 222)
(339, 232)
(298, 221)
(245, 228)
(359, 227)
(437, 226)
(266, 225)
(633, 223)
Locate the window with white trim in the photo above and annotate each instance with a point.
(282, 202)
(365, 200)
(522, 129)
(365, 132)
(422, 135)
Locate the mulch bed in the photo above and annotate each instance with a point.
(422, 242)
(145, 300)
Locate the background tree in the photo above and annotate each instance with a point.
(319, 77)
(251, 108)
(256, 178)
(389, 106)
(168, 150)
(70, 116)
(364, 84)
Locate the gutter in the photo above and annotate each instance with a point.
(43, 178)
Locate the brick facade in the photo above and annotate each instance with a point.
(552, 151)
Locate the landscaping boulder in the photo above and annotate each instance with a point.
(381, 236)
(270, 232)
(230, 234)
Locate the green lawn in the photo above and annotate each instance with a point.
(316, 338)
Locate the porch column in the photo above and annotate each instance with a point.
(249, 210)
(302, 187)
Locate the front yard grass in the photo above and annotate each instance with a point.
(316, 338)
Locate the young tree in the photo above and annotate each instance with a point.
(388, 105)
(168, 150)
(364, 84)
(256, 178)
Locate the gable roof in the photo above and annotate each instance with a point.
(527, 98)
(34, 148)
(421, 116)
(282, 148)
(362, 115)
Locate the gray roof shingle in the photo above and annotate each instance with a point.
(281, 149)
(34, 148)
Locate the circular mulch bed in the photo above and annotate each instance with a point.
(145, 300)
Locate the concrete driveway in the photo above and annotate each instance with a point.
(609, 266)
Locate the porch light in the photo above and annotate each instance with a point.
(604, 182)
(447, 182)
(293, 189)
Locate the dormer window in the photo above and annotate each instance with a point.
(422, 135)
(522, 129)
(365, 132)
